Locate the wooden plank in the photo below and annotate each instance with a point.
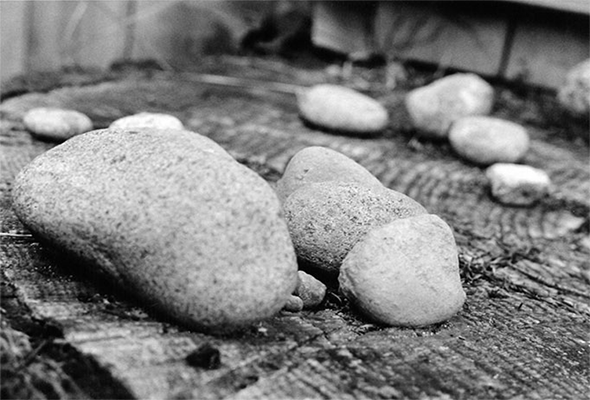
(578, 6)
(546, 46)
(12, 38)
(101, 34)
(343, 27)
(47, 23)
(451, 35)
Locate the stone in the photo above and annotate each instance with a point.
(518, 185)
(293, 304)
(488, 140)
(188, 230)
(310, 290)
(434, 107)
(321, 164)
(327, 219)
(574, 95)
(147, 120)
(56, 124)
(405, 273)
(341, 109)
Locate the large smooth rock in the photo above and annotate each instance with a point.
(327, 219)
(56, 124)
(169, 216)
(518, 185)
(147, 120)
(405, 273)
(434, 107)
(574, 95)
(342, 109)
(321, 164)
(488, 140)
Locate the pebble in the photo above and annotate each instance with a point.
(339, 108)
(169, 217)
(294, 304)
(56, 124)
(405, 273)
(574, 95)
(434, 107)
(327, 219)
(310, 290)
(518, 185)
(147, 120)
(321, 164)
(488, 140)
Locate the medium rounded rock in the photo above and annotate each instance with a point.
(488, 140)
(405, 273)
(321, 164)
(342, 109)
(434, 107)
(575, 93)
(519, 185)
(310, 290)
(327, 219)
(147, 120)
(187, 229)
(55, 123)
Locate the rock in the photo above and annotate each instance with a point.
(574, 96)
(56, 124)
(434, 107)
(310, 290)
(518, 185)
(293, 304)
(188, 230)
(147, 120)
(327, 219)
(405, 273)
(488, 140)
(320, 164)
(342, 109)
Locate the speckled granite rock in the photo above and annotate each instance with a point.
(170, 218)
(405, 273)
(488, 140)
(434, 107)
(56, 124)
(574, 95)
(321, 164)
(519, 185)
(327, 219)
(342, 109)
(147, 120)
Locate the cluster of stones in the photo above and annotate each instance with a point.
(396, 263)
(456, 108)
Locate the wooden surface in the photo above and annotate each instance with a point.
(523, 332)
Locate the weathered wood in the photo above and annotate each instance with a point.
(523, 331)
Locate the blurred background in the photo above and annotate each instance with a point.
(535, 41)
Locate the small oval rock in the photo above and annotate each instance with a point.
(147, 120)
(56, 124)
(434, 107)
(321, 164)
(327, 219)
(189, 230)
(518, 185)
(487, 140)
(342, 109)
(405, 273)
